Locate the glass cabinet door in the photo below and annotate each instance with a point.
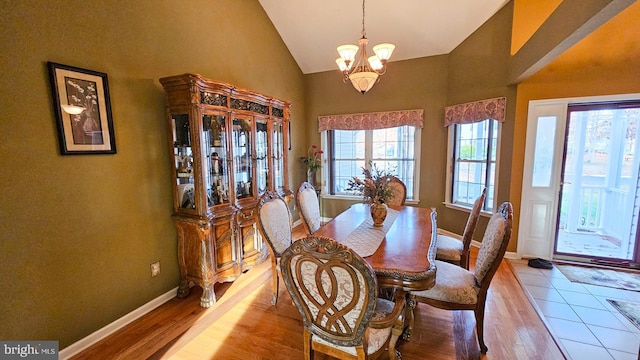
(242, 157)
(277, 152)
(262, 160)
(214, 143)
(183, 161)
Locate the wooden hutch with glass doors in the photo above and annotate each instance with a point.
(228, 146)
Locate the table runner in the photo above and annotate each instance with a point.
(366, 238)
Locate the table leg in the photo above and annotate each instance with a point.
(409, 318)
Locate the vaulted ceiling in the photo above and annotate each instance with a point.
(312, 29)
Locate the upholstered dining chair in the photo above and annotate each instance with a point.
(274, 224)
(456, 251)
(457, 288)
(336, 292)
(399, 191)
(309, 207)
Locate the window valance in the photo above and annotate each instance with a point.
(371, 121)
(475, 111)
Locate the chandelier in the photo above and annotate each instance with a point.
(363, 72)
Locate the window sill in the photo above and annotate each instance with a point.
(466, 209)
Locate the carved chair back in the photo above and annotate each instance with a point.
(399, 191)
(274, 220)
(470, 228)
(334, 289)
(309, 207)
(494, 245)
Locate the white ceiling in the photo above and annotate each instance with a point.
(312, 29)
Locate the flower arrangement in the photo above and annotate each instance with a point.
(375, 186)
(313, 158)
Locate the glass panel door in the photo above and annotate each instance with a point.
(214, 142)
(242, 156)
(183, 161)
(599, 198)
(262, 161)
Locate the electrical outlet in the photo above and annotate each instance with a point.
(155, 269)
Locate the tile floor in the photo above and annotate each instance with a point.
(579, 316)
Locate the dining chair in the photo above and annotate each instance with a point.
(336, 292)
(457, 288)
(399, 190)
(274, 224)
(456, 251)
(308, 207)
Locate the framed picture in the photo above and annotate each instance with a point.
(83, 110)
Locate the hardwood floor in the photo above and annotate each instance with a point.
(244, 325)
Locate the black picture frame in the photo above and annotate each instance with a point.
(83, 110)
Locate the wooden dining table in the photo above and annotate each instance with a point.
(405, 258)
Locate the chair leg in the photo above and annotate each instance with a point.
(396, 332)
(464, 261)
(479, 312)
(308, 346)
(276, 284)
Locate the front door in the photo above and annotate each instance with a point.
(540, 209)
(598, 204)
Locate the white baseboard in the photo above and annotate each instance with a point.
(507, 255)
(100, 334)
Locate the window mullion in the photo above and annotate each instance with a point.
(487, 174)
(368, 147)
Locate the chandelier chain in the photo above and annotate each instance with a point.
(358, 68)
(364, 33)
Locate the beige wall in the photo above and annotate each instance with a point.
(78, 233)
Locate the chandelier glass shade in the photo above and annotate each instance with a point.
(363, 71)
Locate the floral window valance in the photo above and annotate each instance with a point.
(475, 111)
(371, 121)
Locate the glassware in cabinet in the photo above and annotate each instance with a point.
(262, 160)
(243, 156)
(277, 153)
(183, 162)
(214, 141)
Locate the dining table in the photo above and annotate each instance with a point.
(401, 252)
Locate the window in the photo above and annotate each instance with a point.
(393, 149)
(473, 149)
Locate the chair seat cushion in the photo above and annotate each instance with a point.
(448, 248)
(377, 337)
(453, 284)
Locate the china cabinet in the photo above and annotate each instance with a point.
(228, 146)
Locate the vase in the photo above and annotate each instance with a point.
(378, 213)
(311, 177)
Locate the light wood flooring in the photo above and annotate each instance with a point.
(244, 325)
